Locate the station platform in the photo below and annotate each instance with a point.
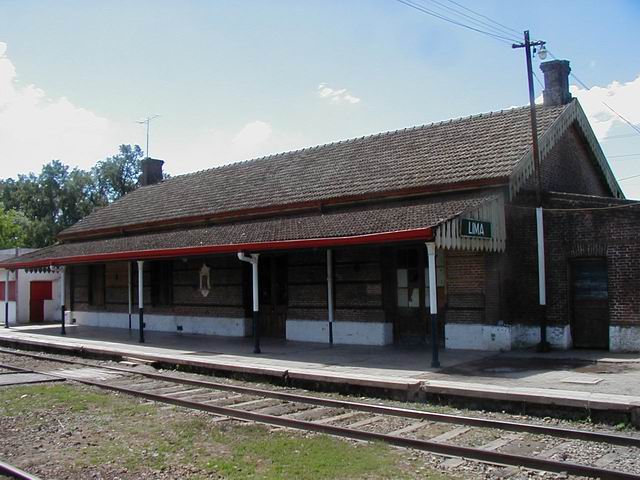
(592, 381)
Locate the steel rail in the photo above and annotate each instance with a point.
(15, 472)
(487, 456)
(561, 432)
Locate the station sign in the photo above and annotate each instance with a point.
(475, 228)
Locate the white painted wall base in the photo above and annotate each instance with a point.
(308, 331)
(345, 333)
(624, 338)
(226, 327)
(362, 333)
(477, 337)
(558, 336)
(502, 338)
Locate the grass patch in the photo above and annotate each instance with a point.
(112, 434)
(24, 399)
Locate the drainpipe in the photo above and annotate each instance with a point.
(63, 330)
(330, 305)
(6, 299)
(141, 299)
(433, 304)
(129, 292)
(253, 260)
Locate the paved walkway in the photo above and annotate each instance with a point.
(575, 377)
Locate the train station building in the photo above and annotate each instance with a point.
(366, 241)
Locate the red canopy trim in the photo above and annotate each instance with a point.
(373, 238)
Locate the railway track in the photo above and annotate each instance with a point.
(14, 472)
(503, 443)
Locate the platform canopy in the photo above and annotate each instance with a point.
(432, 219)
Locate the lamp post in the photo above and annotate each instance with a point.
(543, 346)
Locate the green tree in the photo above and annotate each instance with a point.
(58, 196)
(118, 175)
(13, 228)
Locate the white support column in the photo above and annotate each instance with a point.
(62, 271)
(141, 299)
(542, 290)
(6, 299)
(129, 292)
(330, 305)
(433, 303)
(253, 260)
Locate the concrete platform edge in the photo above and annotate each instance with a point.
(410, 388)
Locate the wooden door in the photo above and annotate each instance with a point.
(273, 295)
(590, 303)
(410, 322)
(39, 291)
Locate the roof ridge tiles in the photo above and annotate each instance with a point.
(346, 141)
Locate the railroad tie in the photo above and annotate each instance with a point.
(408, 429)
(337, 418)
(450, 435)
(500, 442)
(367, 421)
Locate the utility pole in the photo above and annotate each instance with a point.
(543, 346)
(147, 122)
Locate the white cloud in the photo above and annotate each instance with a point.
(334, 95)
(211, 147)
(252, 135)
(624, 98)
(35, 128)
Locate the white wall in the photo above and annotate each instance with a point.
(624, 338)
(505, 337)
(23, 288)
(227, 327)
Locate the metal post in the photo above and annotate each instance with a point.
(330, 305)
(63, 330)
(130, 293)
(6, 299)
(543, 346)
(256, 303)
(253, 260)
(433, 304)
(542, 290)
(141, 299)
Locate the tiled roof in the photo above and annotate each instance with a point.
(339, 223)
(477, 149)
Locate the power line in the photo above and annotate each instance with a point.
(628, 178)
(538, 80)
(627, 155)
(484, 16)
(583, 209)
(585, 86)
(493, 28)
(422, 9)
(613, 137)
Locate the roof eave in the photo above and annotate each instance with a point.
(417, 234)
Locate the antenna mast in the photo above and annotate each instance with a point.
(147, 122)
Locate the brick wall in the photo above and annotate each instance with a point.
(570, 168)
(225, 298)
(570, 234)
(358, 285)
(465, 287)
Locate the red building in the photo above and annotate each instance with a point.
(360, 241)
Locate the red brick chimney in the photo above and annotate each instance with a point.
(556, 82)
(151, 171)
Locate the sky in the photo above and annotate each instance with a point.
(234, 80)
